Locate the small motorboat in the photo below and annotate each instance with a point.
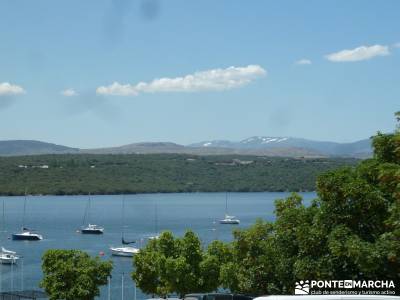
(92, 229)
(26, 235)
(8, 257)
(124, 251)
(229, 220)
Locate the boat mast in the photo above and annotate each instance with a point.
(226, 203)
(85, 215)
(123, 217)
(88, 212)
(4, 218)
(122, 286)
(23, 216)
(156, 217)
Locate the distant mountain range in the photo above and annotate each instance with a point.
(257, 145)
(28, 147)
(359, 148)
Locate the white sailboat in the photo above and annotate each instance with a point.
(90, 228)
(228, 219)
(8, 257)
(127, 251)
(124, 251)
(26, 234)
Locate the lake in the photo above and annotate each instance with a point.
(57, 218)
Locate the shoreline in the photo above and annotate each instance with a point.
(147, 193)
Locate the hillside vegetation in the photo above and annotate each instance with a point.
(351, 230)
(152, 173)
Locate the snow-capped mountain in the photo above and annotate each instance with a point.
(359, 148)
(215, 143)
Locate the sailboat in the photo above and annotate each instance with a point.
(90, 228)
(228, 219)
(124, 250)
(127, 251)
(7, 256)
(26, 234)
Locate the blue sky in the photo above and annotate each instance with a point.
(209, 70)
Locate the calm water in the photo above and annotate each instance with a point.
(58, 217)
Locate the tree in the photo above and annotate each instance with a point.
(351, 231)
(177, 265)
(73, 274)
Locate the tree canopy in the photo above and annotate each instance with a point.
(351, 231)
(178, 265)
(73, 274)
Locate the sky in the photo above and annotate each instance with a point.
(99, 73)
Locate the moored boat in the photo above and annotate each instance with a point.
(26, 235)
(229, 220)
(92, 229)
(8, 257)
(124, 251)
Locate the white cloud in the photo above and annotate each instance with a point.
(69, 93)
(359, 53)
(117, 89)
(8, 89)
(397, 45)
(210, 80)
(303, 61)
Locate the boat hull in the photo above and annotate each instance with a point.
(91, 231)
(22, 237)
(232, 222)
(122, 252)
(8, 261)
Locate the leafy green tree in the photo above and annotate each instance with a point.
(150, 262)
(73, 274)
(352, 230)
(177, 265)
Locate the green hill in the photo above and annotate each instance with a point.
(29, 147)
(152, 173)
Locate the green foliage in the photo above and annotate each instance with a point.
(351, 231)
(73, 274)
(167, 265)
(159, 173)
